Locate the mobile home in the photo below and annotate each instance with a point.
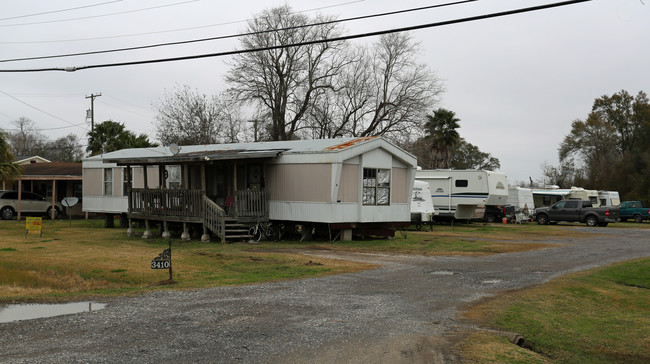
(457, 193)
(346, 186)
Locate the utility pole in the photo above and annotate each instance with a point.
(92, 110)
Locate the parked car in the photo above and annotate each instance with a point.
(30, 203)
(576, 210)
(633, 210)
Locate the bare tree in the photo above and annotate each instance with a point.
(188, 117)
(286, 79)
(26, 139)
(382, 91)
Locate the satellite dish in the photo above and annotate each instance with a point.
(69, 201)
(174, 148)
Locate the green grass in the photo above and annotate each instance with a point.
(600, 316)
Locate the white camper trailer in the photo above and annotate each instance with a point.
(521, 198)
(422, 210)
(609, 198)
(457, 193)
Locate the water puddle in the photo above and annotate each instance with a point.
(12, 313)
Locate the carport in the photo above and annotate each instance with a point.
(47, 176)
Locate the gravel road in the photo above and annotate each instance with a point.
(401, 312)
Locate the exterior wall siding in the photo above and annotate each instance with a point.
(91, 183)
(299, 182)
(349, 184)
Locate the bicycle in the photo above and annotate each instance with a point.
(266, 230)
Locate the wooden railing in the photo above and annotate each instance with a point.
(163, 202)
(250, 204)
(214, 218)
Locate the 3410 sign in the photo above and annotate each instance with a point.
(164, 261)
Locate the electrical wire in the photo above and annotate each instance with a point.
(60, 11)
(97, 16)
(317, 41)
(239, 35)
(43, 111)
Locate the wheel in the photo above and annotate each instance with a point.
(48, 213)
(638, 219)
(542, 219)
(591, 221)
(7, 213)
(255, 234)
(274, 233)
(491, 217)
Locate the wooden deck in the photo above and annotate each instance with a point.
(193, 206)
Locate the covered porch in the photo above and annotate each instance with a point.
(222, 192)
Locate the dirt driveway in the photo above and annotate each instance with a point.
(404, 311)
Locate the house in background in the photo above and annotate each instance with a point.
(336, 186)
(52, 180)
(23, 160)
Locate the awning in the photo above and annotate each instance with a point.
(198, 157)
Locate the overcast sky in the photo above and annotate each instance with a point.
(516, 82)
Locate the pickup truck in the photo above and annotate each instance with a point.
(633, 210)
(576, 211)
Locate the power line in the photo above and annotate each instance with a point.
(240, 35)
(317, 41)
(98, 16)
(43, 111)
(174, 30)
(59, 11)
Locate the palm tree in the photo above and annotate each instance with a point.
(9, 171)
(442, 134)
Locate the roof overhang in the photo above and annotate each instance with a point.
(197, 157)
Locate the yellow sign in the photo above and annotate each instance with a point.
(34, 226)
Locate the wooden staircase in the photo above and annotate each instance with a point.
(235, 230)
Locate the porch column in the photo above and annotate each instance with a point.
(205, 238)
(53, 199)
(185, 235)
(147, 230)
(165, 234)
(130, 231)
(146, 180)
(20, 195)
(203, 177)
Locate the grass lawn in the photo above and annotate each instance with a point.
(597, 316)
(86, 259)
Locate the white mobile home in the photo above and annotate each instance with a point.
(457, 193)
(340, 185)
(521, 198)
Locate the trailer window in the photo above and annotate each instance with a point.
(108, 182)
(376, 186)
(461, 183)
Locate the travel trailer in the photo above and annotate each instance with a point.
(549, 196)
(422, 210)
(609, 198)
(521, 198)
(457, 193)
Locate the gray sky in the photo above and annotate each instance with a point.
(516, 82)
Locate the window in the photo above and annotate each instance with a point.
(127, 177)
(571, 205)
(108, 182)
(173, 176)
(462, 183)
(376, 186)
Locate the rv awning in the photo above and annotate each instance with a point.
(197, 157)
(551, 193)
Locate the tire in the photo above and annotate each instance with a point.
(491, 217)
(638, 219)
(591, 221)
(7, 213)
(542, 220)
(48, 213)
